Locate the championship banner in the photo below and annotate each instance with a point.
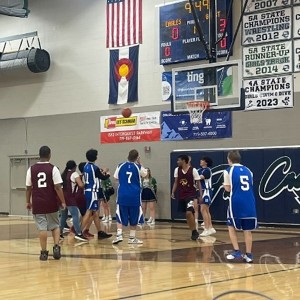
(216, 125)
(296, 55)
(254, 6)
(267, 26)
(166, 86)
(141, 127)
(296, 17)
(269, 59)
(269, 93)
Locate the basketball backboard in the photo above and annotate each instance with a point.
(219, 83)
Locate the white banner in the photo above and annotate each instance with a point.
(269, 93)
(296, 18)
(270, 59)
(267, 27)
(257, 5)
(296, 55)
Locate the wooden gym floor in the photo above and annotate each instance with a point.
(168, 266)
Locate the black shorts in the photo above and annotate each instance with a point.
(184, 204)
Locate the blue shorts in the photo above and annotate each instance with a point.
(91, 199)
(129, 214)
(206, 197)
(242, 224)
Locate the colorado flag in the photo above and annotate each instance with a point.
(123, 79)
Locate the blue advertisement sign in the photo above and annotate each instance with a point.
(216, 125)
(166, 85)
(276, 179)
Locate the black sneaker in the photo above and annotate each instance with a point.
(56, 252)
(103, 235)
(44, 255)
(80, 237)
(195, 235)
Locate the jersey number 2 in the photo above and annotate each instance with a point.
(245, 186)
(42, 183)
(129, 176)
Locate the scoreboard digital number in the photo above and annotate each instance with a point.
(179, 39)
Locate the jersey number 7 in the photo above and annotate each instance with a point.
(129, 176)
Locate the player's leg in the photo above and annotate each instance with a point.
(53, 226)
(105, 210)
(41, 224)
(196, 207)
(248, 225)
(234, 224)
(122, 219)
(152, 212)
(96, 215)
(135, 214)
(63, 221)
(76, 223)
(144, 208)
(190, 218)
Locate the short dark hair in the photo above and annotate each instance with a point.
(91, 155)
(184, 157)
(81, 167)
(133, 155)
(208, 160)
(234, 156)
(71, 164)
(45, 152)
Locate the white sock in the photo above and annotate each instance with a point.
(119, 232)
(196, 220)
(132, 234)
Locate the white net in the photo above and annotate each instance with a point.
(196, 110)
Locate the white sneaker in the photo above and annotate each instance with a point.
(105, 220)
(150, 220)
(202, 224)
(118, 239)
(134, 241)
(109, 218)
(212, 230)
(205, 232)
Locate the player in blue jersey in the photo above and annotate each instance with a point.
(91, 175)
(241, 214)
(129, 205)
(206, 184)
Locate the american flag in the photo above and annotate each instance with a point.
(123, 23)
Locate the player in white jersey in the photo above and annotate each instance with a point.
(206, 184)
(129, 205)
(241, 214)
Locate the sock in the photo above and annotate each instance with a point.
(132, 234)
(238, 250)
(196, 220)
(119, 232)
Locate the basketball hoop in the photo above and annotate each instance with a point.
(196, 110)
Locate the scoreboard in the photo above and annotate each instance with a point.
(179, 39)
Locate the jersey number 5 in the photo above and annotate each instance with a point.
(42, 183)
(245, 186)
(129, 176)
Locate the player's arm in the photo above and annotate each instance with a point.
(226, 183)
(116, 174)
(205, 175)
(57, 180)
(79, 182)
(28, 189)
(101, 175)
(196, 177)
(175, 184)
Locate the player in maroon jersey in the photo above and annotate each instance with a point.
(43, 183)
(185, 177)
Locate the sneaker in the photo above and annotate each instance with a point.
(234, 255)
(109, 218)
(61, 237)
(66, 229)
(81, 237)
(56, 252)
(134, 241)
(248, 258)
(103, 235)
(202, 224)
(205, 232)
(152, 222)
(44, 255)
(212, 230)
(195, 235)
(88, 235)
(105, 220)
(118, 239)
(149, 220)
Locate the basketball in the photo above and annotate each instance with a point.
(126, 112)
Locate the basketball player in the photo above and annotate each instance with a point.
(129, 205)
(43, 181)
(185, 177)
(92, 174)
(196, 204)
(206, 184)
(241, 214)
